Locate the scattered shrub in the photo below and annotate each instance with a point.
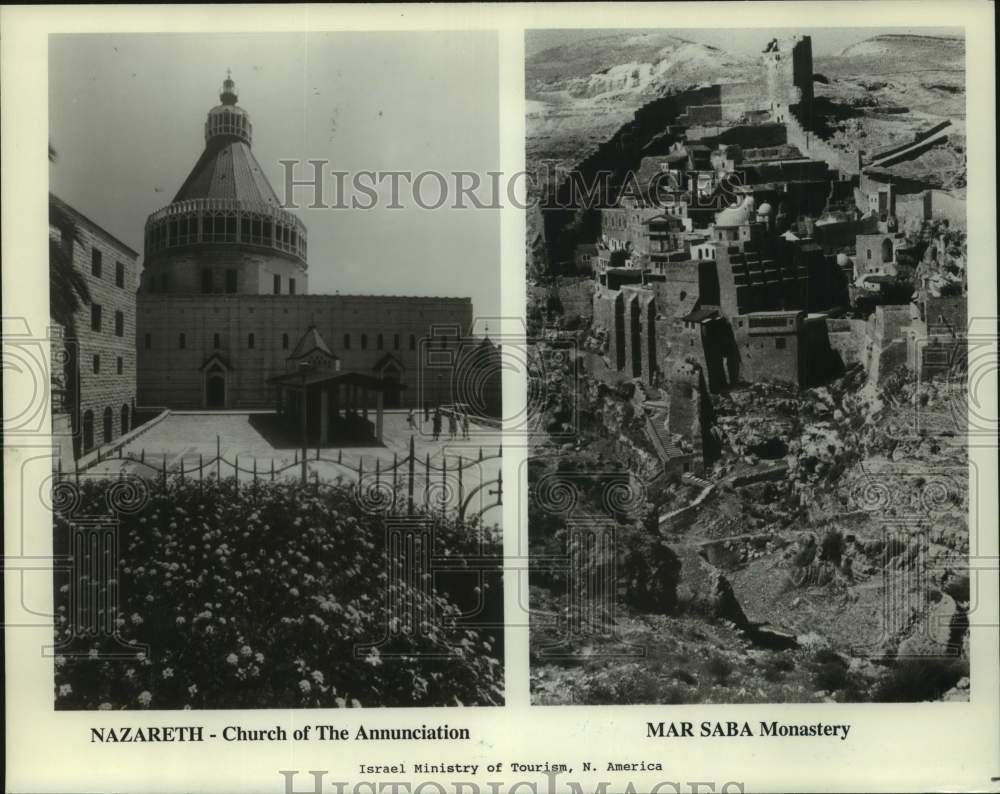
(915, 680)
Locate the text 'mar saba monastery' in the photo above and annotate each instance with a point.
(734, 240)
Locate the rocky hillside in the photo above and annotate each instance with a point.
(579, 91)
(881, 91)
(580, 88)
(830, 506)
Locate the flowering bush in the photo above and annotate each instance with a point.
(274, 596)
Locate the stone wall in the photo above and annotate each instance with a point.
(106, 358)
(254, 268)
(352, 325)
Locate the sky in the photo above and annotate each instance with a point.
(742, 41)
(127, 113)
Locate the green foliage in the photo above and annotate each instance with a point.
(263, 598)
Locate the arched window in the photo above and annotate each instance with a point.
(124, 418)
(347, 341)
(413, 342)
(378, 342)
(284, 341)
(250, 341)
(108, 425)
(395, 341)
(887, 250)
(364, 341)
(216, 341)
(182, 341)
(88, 430)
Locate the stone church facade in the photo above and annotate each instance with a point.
(223, 298)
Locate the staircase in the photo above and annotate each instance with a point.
(698, 482)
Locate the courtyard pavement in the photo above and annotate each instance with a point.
(188, 439)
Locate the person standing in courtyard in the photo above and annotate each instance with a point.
(427, 412)
(411, 420)
(437, 424)
(452, 425)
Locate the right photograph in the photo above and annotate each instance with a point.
(747, 288)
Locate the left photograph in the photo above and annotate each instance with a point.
(276, 405)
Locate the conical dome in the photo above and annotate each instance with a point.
(226, 201)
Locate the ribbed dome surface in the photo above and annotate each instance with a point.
(227, 169)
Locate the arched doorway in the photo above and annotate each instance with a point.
(391, 398)
(109, 422)
(125, 425)
(887, 250)
(215, 387)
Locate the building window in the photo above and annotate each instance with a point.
(250, 341)
(364, 341)
(148, 341)
(88, 430)
(395, 341)
(347, 341)
(206, 280)
(277, 284)
(119, 365)
(119, 274)
(379, 344)
(216, 341)
(95, 262)
(119, 324)
(413, 342)
(95, 317)
(230, 281)
(284, 341)
(779, 343)
(97, 364)
(181, 341)
(109, 430)
(291, 286)
(868, 254)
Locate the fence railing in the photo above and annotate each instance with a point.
(379, 485)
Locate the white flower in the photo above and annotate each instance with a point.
(104, 707)
(317, 676)
(145, 697)
(233, 659)
(168, 672)
(64, 690)
(305, 686)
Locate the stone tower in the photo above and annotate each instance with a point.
(225, 231)
(788, 78)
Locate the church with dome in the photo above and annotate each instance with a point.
(225, 319)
